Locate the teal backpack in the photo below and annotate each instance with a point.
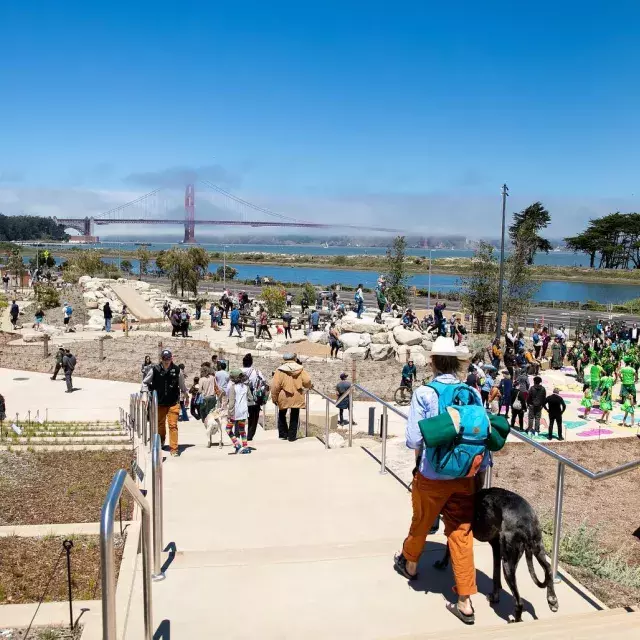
(461, 452)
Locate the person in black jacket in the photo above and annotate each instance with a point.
(167, 381)
(536, 400)
(108, 315)
(518, 406)
(556, 406)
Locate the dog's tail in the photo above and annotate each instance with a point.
(542, 559)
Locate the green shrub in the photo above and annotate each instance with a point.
(48, 297)
(275, 298)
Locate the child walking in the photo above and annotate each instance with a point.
(629, 408)
(239, 395)
(605, 405)
(587, 400)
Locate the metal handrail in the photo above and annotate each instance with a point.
(329, 402)
(563, 462)
(156, 474)
(121, 480)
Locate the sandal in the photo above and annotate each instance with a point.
(468, 619)
(400, 565)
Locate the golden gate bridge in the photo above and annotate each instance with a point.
(157, 208)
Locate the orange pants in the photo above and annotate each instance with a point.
(170, 415)
(454, 500)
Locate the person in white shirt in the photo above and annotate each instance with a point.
(239, 396)
(222, 377)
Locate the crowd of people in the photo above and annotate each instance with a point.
(234, 397)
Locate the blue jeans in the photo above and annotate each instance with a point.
(237, 328)
(360, 308)
(107, 324)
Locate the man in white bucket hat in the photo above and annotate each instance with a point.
(433, 494)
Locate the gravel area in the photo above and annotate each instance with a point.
(31, 567)
(58, 487)
(123, 358)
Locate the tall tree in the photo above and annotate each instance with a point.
(615, 238)
(185, 269)
(144, 257)
(519, 284)
(397, 291)
(480, 285)
(526, 228)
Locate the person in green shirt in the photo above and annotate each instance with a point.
(595, 374)
(628, 406)
(606, 404)
(628, 377)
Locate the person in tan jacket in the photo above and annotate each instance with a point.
(288, 392)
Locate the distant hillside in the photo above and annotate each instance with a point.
(30, 228)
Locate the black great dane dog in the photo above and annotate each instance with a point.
(510, 525)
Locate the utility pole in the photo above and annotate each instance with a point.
(429, 290)
(505, 193)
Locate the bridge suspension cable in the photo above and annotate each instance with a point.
(246, 203)
(104, 214)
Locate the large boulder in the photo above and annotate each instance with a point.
(380, 351)
(427, 345)
(356, 353)
(391, 322)
(351, 340)
(380, 338)
(365, 340)
(353, 325)
(415, 353)
(318, 337)
(265, 345)
(407, 336)
(83, 280)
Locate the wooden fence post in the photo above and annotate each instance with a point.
(45, 346)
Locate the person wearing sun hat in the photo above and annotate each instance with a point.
(433, 494)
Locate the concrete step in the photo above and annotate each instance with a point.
(334, 591)
(610, 623)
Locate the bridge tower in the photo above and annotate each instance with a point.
(189, 215)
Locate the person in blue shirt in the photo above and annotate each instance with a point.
(433, 494)
(506, 387)
(315, 320)
(409, 374)
(486, 388)
(234, 318)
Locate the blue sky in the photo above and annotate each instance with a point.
(370, 110)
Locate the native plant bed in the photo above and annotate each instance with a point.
(58, 487)
(35, 568)
(601, 520)
(41, 633)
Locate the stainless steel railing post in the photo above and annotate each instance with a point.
(488, 477)
(557, 522)
(122, 481)
(383, 455)
(351, 415)
(306, 415)
(326, 425)
(156, 474)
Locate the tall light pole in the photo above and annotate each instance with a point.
(429, 290)
(505, 193)
(224, 268)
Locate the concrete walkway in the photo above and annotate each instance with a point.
(293, 541)
(30, 394)
(136, 304)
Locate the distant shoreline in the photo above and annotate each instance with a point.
(455, 266)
